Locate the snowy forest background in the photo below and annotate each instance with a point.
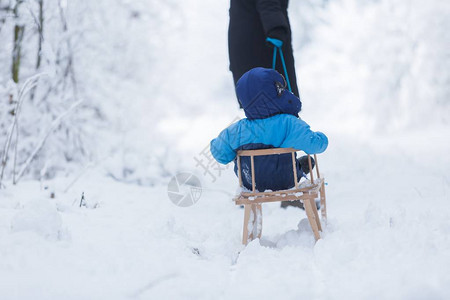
(95, 94)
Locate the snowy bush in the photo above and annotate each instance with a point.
(96, 55)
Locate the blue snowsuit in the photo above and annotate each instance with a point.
(272, 122)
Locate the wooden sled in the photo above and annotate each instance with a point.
(306, 194)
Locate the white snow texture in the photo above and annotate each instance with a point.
(373, 75)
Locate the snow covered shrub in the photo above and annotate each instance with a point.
(42, 126)
(94, 58)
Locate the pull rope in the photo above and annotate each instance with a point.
(285, 70)
(274, 61)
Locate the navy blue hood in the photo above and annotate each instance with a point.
(262, 93)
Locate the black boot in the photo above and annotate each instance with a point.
(304, 163)
(295, 203)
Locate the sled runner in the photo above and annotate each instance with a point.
(305, 192)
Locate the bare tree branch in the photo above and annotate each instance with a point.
(26, 87)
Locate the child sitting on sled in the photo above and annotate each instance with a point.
(272, 122)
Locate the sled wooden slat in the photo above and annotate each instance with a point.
(244, 200)
(311, 173)
(307, 194)
(323, 202)
(247, 212)
(309, 209)
(252, 162)
(269, 151)
(239, 169)
(317, 166)
(311, 188)
(315, 212)
(294, 168)
(252, 220)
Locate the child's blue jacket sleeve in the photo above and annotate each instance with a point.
(282, 131)
(300, 136)
(221, 148)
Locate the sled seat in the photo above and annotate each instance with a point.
(307, 192)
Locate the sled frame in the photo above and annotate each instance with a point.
(253, 200)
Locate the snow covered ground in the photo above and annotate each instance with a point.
(387, 238)
(388, 235)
